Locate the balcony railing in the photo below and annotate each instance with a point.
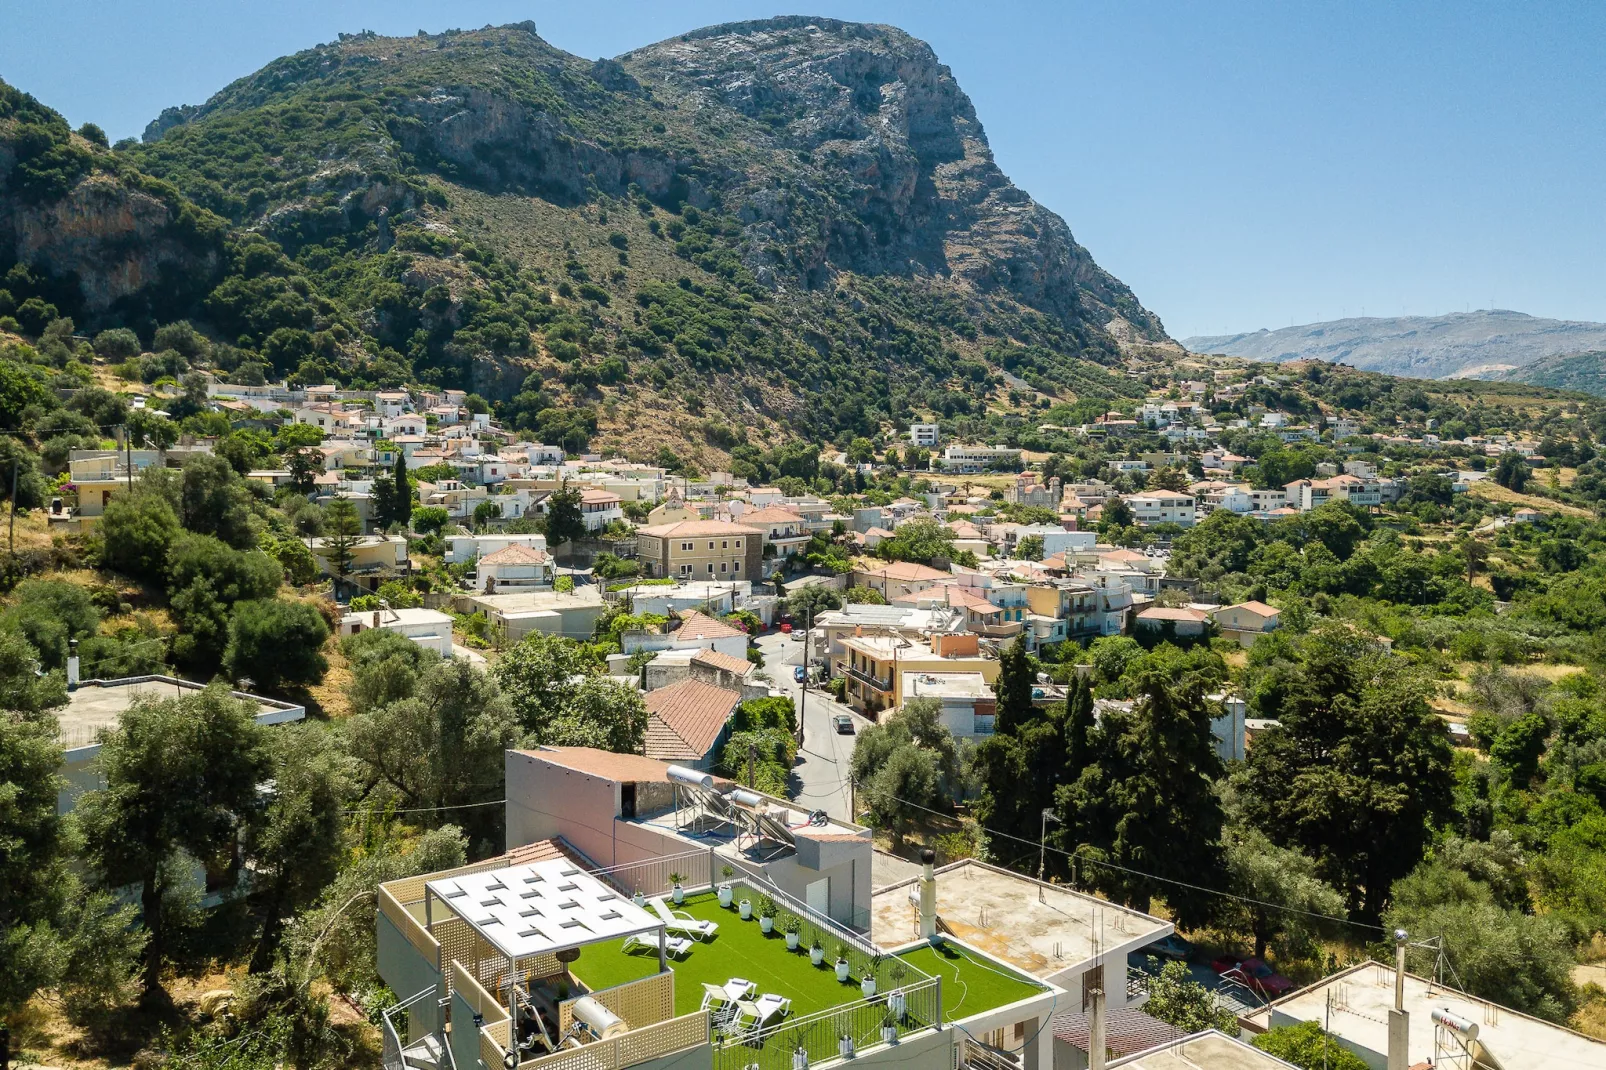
(880, 683)
(1137, 983)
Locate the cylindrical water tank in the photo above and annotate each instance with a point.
(1455, 1023)
(747, 800)
(599, 1019)
(681, 775)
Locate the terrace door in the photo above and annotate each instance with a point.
(817, 897)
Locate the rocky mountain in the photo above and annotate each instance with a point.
(1482, 344)
(792, 226)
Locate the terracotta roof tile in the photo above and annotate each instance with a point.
(516, 554)
(702, 626)
(685, 719)
(693, 528)
(728, 662)
(607, 765)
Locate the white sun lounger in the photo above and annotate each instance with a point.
(675, 946)
(679, 921)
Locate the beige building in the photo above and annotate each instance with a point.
(700, 550)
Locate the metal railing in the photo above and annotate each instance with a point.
(394, 1043)
(831, 1033)
(1137, 983)
(880, 683)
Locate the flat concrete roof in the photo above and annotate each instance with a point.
(1202, 1051)
(1041, 929)
(1363, 996)
(946, 685)
(97, 704)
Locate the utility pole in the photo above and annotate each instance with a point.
(803, 694)
(1042, 839)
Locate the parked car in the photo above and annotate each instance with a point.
(1254, 975)
(799, 674)
(1171, 947)
(844, 724)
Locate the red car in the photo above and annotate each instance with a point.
(1254, 975)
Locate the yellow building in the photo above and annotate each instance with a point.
(874, 666)
(700, 550)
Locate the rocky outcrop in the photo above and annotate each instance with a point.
(118, 244)
(893, 150)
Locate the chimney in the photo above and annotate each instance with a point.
(1095, 1030)
(376, 618)
(928, 894)
(1399, 1020)
(72, 665)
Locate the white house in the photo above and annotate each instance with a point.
(926, 435)
(460, 548)
(1162, 507)
(515, 568)
(428, 628)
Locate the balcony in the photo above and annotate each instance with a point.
(879, 683)
(1006, 629)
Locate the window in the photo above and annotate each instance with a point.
(722, 566)
(710, 568)
(710, 544)
(736, 567)
(738, 544)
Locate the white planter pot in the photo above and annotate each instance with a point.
(639, 899)
(747, 909)
(680, 895)
(897, 1002)
(791, 941)
(867, 986)
(766, 925)
(724, 895)
(889, 1034)
(841, 971)
(816, 955)
(844, 1047)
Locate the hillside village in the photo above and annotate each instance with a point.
(675, 563)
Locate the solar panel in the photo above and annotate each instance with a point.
(541, 907)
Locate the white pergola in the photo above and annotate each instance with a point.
(540, 908)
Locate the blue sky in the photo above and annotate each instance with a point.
(1240, 165)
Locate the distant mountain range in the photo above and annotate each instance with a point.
(1487, 344)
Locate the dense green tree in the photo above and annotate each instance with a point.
(1282, 896)
(430, 520)
(1511, 472)
(25, 688)
(1521, 961)
(49, 614)
(303, 463)
(1013, 687)
(1177, 999)
(923, 541)
(205, 579)
(564, 521)
(559, 698)
(441, 745)
(298, 845)
(1358, 770)
(137, 530)
(181, 776)
(276, 643)
(1307, 1046)
(214, 501)
(1146, 800)
(342, 529)
(805, 603)
(116, 345)
(1116, 514)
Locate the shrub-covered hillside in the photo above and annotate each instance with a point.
(795, 224)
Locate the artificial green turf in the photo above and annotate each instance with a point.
(739, 949)
(971, 984)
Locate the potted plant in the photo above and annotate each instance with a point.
(889, 1028)
(816, 952)
(800, 1058)
(842, 962)
(746, 906)
(766, 914)
(725, 886)
(793, 930)
(639, 899)
(679, 890)
(896, 1000)
(844, 1045)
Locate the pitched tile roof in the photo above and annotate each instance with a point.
(772, 514)
(728, 662)
(685, 719)
(690, 528)
(702, 626)
(607, 765)
(907, 570)
(516, 554)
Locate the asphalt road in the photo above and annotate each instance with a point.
(819, 779)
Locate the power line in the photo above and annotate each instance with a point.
(426, 809)
(1154, 877)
